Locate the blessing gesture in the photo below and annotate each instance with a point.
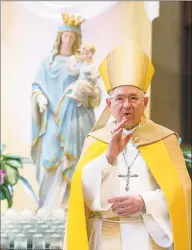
(117, 143)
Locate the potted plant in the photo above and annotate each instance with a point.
(9, 176)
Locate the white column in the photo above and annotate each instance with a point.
(152, 9)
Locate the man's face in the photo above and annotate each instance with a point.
(128, 102)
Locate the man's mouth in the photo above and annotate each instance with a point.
(126, 114)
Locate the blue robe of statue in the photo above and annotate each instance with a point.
(61, 130)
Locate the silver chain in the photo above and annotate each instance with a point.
(128, 175)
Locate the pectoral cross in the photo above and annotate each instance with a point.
(128, 175)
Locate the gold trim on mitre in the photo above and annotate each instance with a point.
(127, 64)
(72, 20)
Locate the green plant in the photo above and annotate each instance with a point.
(9, 175)
(187, 153)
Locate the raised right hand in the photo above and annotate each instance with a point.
(117, 143)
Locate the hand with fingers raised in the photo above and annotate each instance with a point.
(117, 143)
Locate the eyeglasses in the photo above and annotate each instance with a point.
(122, 98)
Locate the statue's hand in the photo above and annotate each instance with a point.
(42, 108)
(73, 69)
(42, 102)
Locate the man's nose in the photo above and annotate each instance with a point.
(127, 103)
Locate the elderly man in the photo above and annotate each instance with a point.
(131, 188)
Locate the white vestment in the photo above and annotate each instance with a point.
(101, 182)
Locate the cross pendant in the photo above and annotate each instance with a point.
(127, 176)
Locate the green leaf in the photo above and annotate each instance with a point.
(189, 164)
(8, 196)
(2, 193)
(2, 165)
(5, 194)
(188, 160)
(10, 203)
(12, 175)
(10, 189)
(3, 147)
(14, 163)
(12, 157)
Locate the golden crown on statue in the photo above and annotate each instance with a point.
(72, 20)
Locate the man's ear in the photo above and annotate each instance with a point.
(108, 102)
(146, 99)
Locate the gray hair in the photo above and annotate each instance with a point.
(112, 91)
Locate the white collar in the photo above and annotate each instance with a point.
(127, 132)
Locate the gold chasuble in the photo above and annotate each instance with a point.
(129, 65)
(161, 152)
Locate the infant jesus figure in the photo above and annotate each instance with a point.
(85, 89)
